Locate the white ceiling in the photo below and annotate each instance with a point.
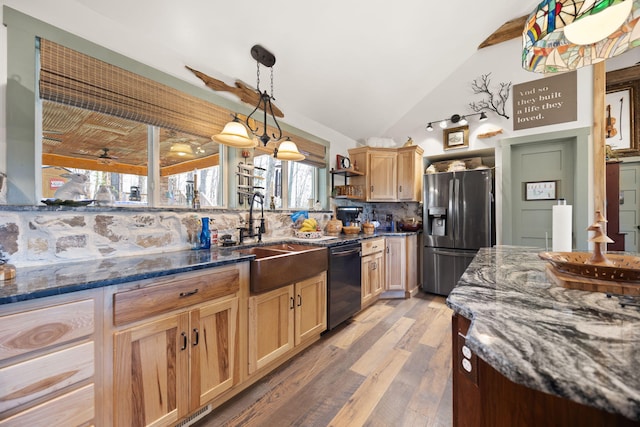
(356, 66)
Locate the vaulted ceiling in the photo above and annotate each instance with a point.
(355, 66)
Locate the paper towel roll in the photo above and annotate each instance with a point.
(561, 228)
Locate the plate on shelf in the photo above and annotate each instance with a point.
(60, 202)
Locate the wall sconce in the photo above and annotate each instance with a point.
(456, 119)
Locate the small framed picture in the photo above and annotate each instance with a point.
(456, 138)
(541, 190)
(619, 124)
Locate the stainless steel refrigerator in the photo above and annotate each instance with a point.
(458, 220)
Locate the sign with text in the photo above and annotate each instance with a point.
(545, 101)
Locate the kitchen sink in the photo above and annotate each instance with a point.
(283, 264)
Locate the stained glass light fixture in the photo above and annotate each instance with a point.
(565, 35)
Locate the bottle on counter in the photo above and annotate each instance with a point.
(214, 233)
(205, 234)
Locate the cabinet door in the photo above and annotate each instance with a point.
(412, 263)
(151, 372)
(382, 176)
(395, 263)
(378, 274)
(406, 175)
(367, 273)
(213, 345)
(271, 332)
(311, 307)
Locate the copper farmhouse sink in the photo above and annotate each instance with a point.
(283, 264)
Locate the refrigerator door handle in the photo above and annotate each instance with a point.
(450, 231)
(455, 219)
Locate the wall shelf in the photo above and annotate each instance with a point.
(346, 173)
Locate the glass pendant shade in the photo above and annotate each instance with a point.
(564, 35)
(288, 150)
(235, 134)
(181, 149)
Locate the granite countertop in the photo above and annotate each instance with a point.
(53, 279)
(574, 344)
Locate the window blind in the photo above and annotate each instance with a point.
(73, 78)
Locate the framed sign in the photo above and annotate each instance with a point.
(541, 190)
(456, 138)
(619, 121)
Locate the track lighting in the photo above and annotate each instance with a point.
(456, 119)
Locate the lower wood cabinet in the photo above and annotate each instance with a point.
(48, 361)
(373, 270)
(286, 317)
(483, 397)
(401, 266)
(167, 368)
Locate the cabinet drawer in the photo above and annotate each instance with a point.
(171, 294)
(72, 409)
(26, 381)
(36, 329)
(372, 246)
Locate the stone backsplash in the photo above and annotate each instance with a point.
(31, 236)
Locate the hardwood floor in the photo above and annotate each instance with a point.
(389, 366)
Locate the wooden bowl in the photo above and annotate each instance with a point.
(351, 229)
(623, 268)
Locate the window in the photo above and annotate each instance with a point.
(303, 188)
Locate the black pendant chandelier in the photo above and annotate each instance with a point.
(236, 133)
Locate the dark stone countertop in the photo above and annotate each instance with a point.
(578, 345)
(53, 279)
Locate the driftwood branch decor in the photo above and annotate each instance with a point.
(495, 101)
(246, 93)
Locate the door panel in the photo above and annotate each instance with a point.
(540, 161)
(630, 205)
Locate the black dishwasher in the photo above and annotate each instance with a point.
(344, 289)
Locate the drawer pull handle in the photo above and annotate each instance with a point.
(299, 300)
(188, 294)
(184, 341)
(292, 303)
(196, 336)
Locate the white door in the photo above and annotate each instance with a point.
(630, 205)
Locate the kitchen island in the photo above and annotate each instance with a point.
(526, 351)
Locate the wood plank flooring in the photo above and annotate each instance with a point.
(389, 366)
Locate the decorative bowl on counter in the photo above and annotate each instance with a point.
(623, 268)
(410, 224)
(351, 229)
(307, 234)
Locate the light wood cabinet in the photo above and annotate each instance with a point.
(401, 266)
(48, 361)
(410, 174)
(373, 270)
(270, 326)
(286, 317)
(167, 368)
(169, 364)
(390, 174)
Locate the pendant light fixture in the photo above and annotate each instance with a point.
(236, 133)
(564, 35)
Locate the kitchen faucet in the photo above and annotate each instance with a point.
(249, 230)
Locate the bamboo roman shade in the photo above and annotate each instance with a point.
(73, 78)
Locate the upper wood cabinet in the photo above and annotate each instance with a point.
(390, 174)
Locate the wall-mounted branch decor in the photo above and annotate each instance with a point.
(496, 101)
